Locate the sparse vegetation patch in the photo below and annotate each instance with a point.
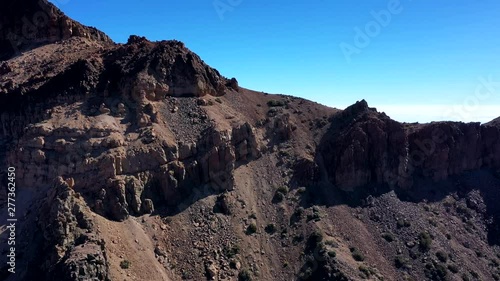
(125, 264)
(357, 255)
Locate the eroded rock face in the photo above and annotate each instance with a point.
(443, 149)
(30, 23)
(138, 74)
(154, 70)
(72, 249)
(364, 146)
(114, 91)
(245, 142)
(165, 181)
(121, 176)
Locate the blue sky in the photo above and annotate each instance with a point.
(417, 60)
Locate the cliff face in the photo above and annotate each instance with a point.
(122, 126)
(364, 147)
(139, 72)
(140, 151)
(26, 24)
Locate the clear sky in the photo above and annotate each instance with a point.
(417, 60)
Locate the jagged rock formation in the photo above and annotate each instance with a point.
(364, 146)
(72, 249)
(127, 155)
(25, 24)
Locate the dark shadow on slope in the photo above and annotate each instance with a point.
(363, 148)
(484, 182)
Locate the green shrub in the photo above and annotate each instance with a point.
(297, 239)
(282, 189)
(366, 271)
(299, 212)
(316, 215)
(400, 262)
(388, 237)
(125, 264)
(278, 197)
(186, 275)
(280, 194)
(442, 256)
(232, 251)
(425, 241)
(357, 255)
(244, 275)
(251, 229)
(403, 223)
(453, 268)
(441, 271)
(275, 103)
(305, 274)
(316, 237)
(436, 272)
(462, 209)
(270, 228)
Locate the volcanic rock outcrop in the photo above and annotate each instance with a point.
(364, 147)
(126, 155)
(26, 24)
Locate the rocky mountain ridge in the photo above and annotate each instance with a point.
(381, 150)
(127, 155)
(26, 24)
